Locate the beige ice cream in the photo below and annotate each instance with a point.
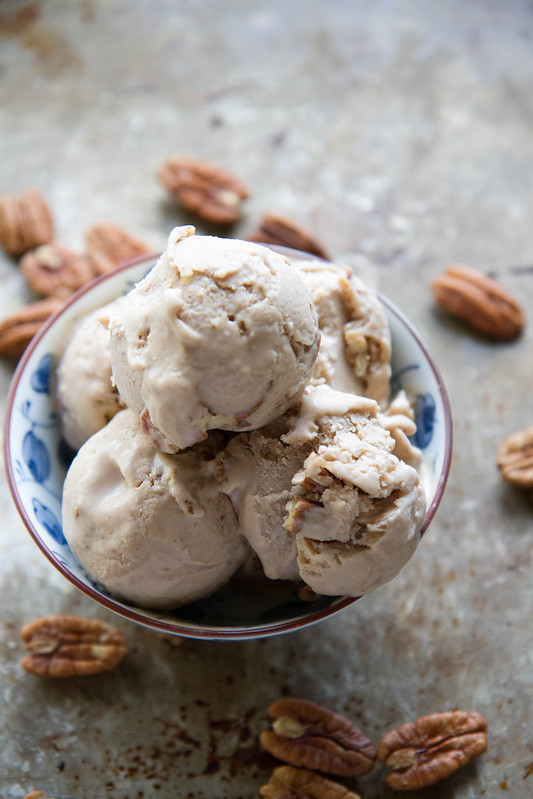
(220, 334)
(151, 528)
(327, 500)
(355, 346)
(85, 393)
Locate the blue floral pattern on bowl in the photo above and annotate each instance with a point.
(37, 460)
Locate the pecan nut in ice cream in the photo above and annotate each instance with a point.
(68, 646)
(17, 330)
(287, 782)
(314, 737)
(202, 188)
(277, 229)
(108, 246)
(423, 752)
(515, 458)
(55, 271)
(25, 222)
(480, 301)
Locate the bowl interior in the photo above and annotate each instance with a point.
(37, 459)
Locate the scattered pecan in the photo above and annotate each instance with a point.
(479, 301)
(515, 458)
(37, 795)
(202, 188)
(277, 229)
(422, 752)
(55, 271)
(288, 782)
(309, 735)
(17, 330)
(67, 646)
(25, 222)
(109, 245)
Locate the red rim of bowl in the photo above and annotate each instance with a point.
(226, 633)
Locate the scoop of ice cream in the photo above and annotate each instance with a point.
(220, 334)
(151, 528)
(327, 500)
(355, 346)
(86, 396)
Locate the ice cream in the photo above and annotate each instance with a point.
(322, 496)
(259, 425)
(355, 345)
(149, 527)
(221, 334)
(86, 396)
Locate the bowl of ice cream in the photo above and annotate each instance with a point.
(297, 476)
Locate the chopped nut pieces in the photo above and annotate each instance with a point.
(109, 245)
(422, 752)
(17, 330)
(287, 782)
(275, 229)
(67, 646)
(204, 189)
(479, 301)
(309, 735)
(515, 458)
(25, 222)
(55, 271)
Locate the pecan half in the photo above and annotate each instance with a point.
(479, 301)
(37, 795)
(109, 245)
(17, 330)
(277, 229)
(25, 222)
(422, 752)
(202, 188)
(309, 735)
(288, 782)
(67, 646)
(515, 458)
(55, 271)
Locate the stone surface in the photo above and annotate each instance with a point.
(400, 132)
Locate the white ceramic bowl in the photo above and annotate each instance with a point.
(37, 458)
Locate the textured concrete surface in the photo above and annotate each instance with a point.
(401, 133)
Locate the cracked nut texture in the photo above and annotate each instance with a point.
(202, 188)
(25, 222)
(423, 752)
(55, 271)
(309, 735)
(276, 229)
(479, 301)
(69, 646)
(287, 782)
(515, 458)
(17, 330)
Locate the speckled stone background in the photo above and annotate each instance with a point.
(401, 132)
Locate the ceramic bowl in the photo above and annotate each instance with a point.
(37, 459)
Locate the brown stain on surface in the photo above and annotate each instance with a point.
(51, 50)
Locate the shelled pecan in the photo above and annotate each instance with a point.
(423, 752)
(25, 222)
(55, 271)
(309, 735)
(480, 301)
(18, 329)
(204, 189)
(67, 646)
(287, 782)
(109, 245)
(278, 229)
(515, 458)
